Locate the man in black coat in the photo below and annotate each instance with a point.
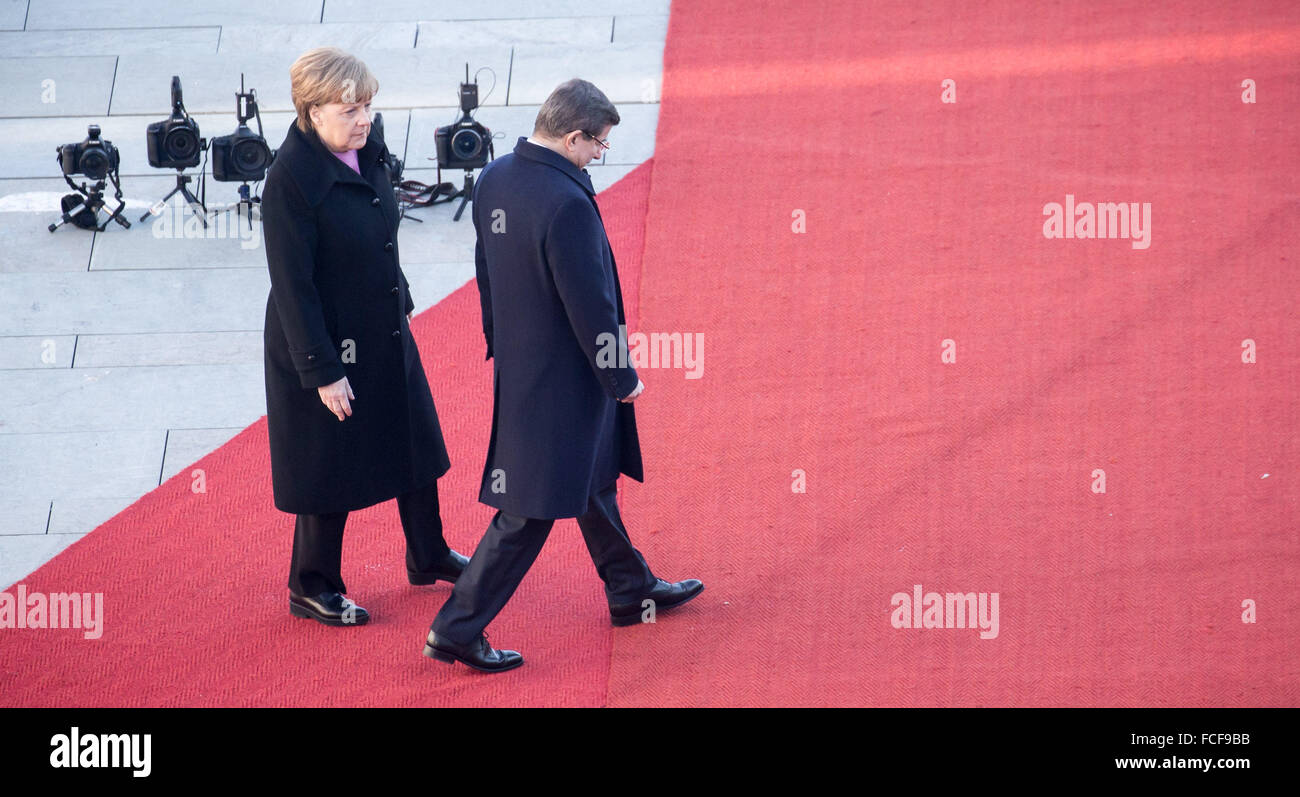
(350, 416)
(563, 427)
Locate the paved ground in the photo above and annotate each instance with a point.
(128, 354)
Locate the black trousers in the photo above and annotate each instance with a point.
(318, 542)
(510, 547)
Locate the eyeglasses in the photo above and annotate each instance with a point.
(604, 144)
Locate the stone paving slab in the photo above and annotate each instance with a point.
(150, 300)
(134, 398)
(20, 556)
(13, 15)
(26, 242)
(25, 515)
(367, 10)
(56, 85)
(85, 464)
(172, 348)
(37, 351)
(626, 72)
(187, 446)
(651, 28)
(58, 14)
(571, 31)
(29, 43)
(355, 37)
(70, 515)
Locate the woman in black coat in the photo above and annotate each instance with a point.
(350, 417)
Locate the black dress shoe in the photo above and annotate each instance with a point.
(664, 595)
(449, 569)
(330, 608)
(477, 654)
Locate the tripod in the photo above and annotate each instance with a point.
(182, 188)
(246, 199)
(464, 193)
(90, 202)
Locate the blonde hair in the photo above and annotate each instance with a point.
(328, 74)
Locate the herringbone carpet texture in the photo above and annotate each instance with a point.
(924, 224)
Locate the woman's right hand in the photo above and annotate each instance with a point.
(336, 397)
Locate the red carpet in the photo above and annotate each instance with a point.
(924, 223)
(822, 354)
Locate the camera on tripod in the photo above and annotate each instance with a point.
(94, 157)
(242, 156)
(174, 143)
(98, 159)
(464, 144)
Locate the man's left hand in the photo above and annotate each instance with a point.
(631, 397)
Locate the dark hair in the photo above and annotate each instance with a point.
(575, 105)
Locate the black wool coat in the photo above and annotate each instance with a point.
(337, 306)
(552, 311)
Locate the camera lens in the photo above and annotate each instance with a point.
(466, 144)
(94, 163)
(181, 144)
(250, 155)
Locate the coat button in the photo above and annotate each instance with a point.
(394, 291)
(388, 247)
(375, 201)
(311, 356)
(397, 333)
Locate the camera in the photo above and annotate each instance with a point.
(94, 157)
(174, 142)
(242, 156)
(464, 144)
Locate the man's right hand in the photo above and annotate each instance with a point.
(631, 397)
(336, 396)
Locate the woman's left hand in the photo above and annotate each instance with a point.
(410, 316)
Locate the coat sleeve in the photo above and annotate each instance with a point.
(575, 254)
(289, 230)
(481, 277)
